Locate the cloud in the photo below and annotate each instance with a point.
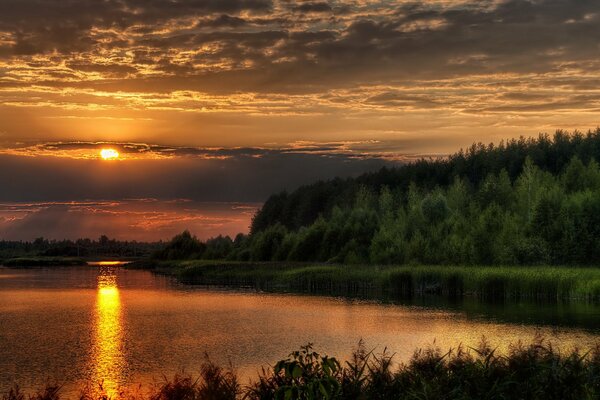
(133, 219)
(237, 174)
(225, 20)
(344, 150)
(313, 7)
(368, 42)
(234, 82)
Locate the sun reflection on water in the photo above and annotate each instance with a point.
(108, 359)
(109, 263)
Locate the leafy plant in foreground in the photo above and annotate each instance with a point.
(305, 375)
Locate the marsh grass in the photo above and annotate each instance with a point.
(548, 283)
(526, 371)
(24, 262)
(49, 392)
(214, 383)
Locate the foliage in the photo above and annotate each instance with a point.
(523, 202)
(536, 371)
(214, 383)
(182, 246)
(102, 247)
(548, 283)
(43, 262)
(304, 375)
(474, 165)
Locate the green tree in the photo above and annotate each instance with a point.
(182, 246)
(435, 208)
(574, 179)
(265, 244)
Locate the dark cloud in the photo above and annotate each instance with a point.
(339, 150)
(247, 175)
(225, 20)
(40, 26)
(424, 40)
(314, 7)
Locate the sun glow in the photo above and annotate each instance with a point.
(109, 154)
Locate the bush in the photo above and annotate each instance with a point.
(305, 375)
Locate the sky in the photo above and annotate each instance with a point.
(215, 104)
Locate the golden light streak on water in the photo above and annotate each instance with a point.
(108, 359)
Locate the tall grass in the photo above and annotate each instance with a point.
(543, 283)
(533, 371)
(214, 383)
(547, 283)
(43, 262)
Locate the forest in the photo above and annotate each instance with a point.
(524, 201)
(102, 247)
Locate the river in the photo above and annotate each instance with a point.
(124, 328)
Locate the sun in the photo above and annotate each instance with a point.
(109, 154)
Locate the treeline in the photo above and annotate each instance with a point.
(551, 154)
(103, 247)
(528, 201)
(538, 218)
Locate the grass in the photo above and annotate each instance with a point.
(43, 262)
(548, 283)
(533, 371)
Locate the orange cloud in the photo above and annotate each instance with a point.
(244, 73)
(142, 220)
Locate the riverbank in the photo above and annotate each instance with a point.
(547, 283)
(24, 262)
(44, 261)
(534, 371)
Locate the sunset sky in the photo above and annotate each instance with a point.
(215, 104)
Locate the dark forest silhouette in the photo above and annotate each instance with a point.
(102, 247)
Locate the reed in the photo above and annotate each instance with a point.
(24, 262)
(549, 283)
(533, 371)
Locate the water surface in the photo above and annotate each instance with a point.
(101, 323)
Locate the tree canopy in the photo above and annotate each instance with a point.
(524, 201)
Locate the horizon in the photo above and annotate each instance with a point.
(293, 199)
(230, 102)
(162, 219)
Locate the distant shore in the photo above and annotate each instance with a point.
(24, 262)
(44, 261)
(549, 283)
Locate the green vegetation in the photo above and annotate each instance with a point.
(104, 247)
(43, 262)
(535, 371)
(524, 202)
(544, 283)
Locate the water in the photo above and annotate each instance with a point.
(101, 323)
